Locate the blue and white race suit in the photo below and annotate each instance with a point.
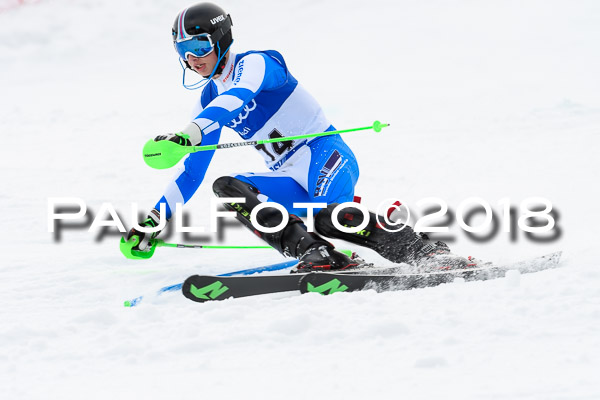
(257, 97)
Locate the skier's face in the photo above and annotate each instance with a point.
(203, 65)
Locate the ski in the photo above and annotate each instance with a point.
(328, 283)
(177, 287)
(203, 288)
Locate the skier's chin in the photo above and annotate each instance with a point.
(202, 74)
(201, 71)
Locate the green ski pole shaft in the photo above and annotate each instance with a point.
(127, 248)
(377, 126)
(165, 154)
(161, 243)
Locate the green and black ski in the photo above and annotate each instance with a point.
(203, 288)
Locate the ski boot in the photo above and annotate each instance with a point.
(437, 257)
(403, 246)
(325, 258)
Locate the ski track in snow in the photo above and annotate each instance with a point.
(495, 99)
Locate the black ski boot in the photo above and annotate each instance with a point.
(325, 257)
(404, 246)
(437, 257)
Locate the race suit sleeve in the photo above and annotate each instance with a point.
(252, 74)
(188, 179)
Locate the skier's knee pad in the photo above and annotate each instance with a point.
(227, 186)
(292, 239)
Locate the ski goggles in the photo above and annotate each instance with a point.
(197, 46)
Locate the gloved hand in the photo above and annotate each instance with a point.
(179, 138)
(190, 136)
(138, 244)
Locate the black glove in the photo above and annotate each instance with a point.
(144, 238)
(179, 138)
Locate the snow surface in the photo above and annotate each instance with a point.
(495, 99)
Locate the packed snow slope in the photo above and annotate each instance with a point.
(495, 99)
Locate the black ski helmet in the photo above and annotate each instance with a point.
(205, 18)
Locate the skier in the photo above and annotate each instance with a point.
(255, 94)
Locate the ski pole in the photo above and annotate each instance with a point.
(162, 243)
(127, 250)
(165, 154)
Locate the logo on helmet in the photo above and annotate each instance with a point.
(217, 19)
